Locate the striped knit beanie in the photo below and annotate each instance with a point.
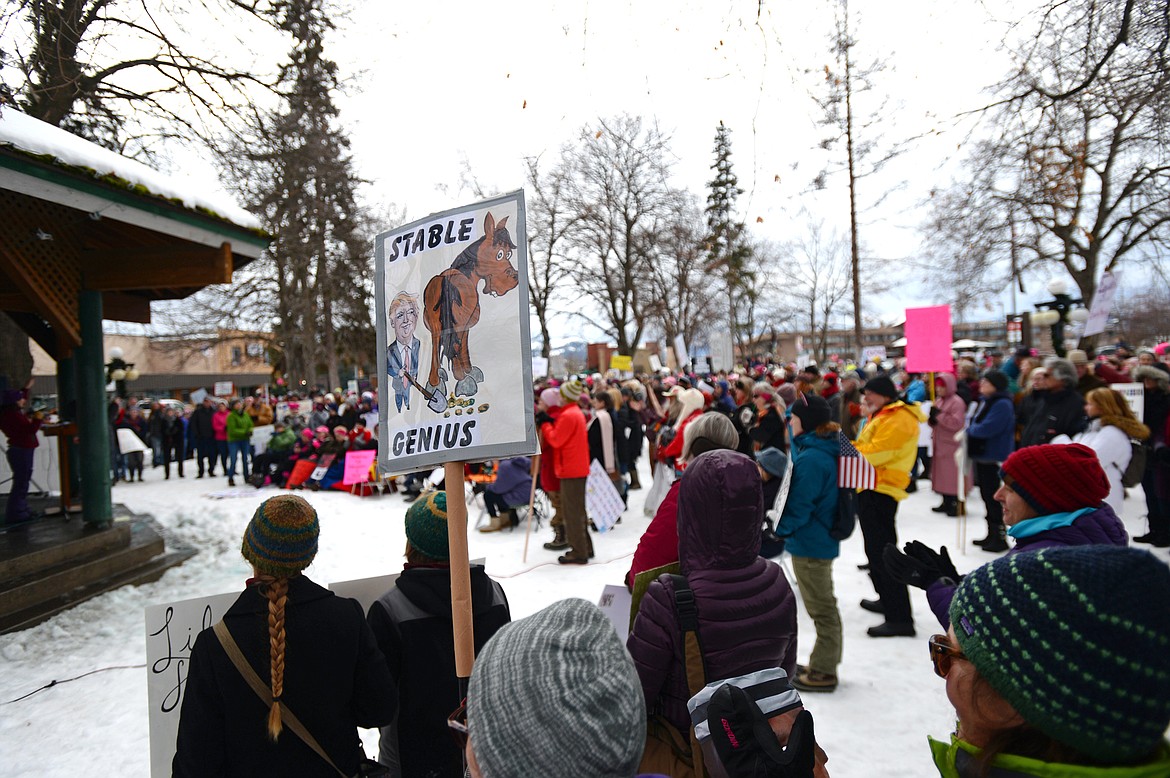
(1077, 639)
(426, 526)
(281, 539)
(572, 390)
(556, 694)
(1056, 477)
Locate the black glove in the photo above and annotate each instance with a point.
(920, 566)
(940, 559)
(933, 420)
(543, 418)
(746, 745)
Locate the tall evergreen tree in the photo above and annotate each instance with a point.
(315, 281)
(728, 253)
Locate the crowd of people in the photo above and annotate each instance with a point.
(1054, 654)
(219, 433)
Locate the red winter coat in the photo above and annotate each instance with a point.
(659, 543)
(548, 471)
(673, 449)
(570, 443)
(20, 429)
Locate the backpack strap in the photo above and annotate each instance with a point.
(264, 692)
(687, 612)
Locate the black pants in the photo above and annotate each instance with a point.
(494, 503)
(987, 479)
(1157, 509)
(876, 513)
(205, 452)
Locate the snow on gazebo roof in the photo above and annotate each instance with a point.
(33, 136)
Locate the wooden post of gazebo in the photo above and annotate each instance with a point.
(92, 414)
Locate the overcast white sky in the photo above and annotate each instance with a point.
(436, 90)
(481, 86)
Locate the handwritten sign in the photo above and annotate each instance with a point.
(323, 465)
(224, 389)
(1102, 303)
(928, 339)
(539, 367)
(602, 501)
(198, 396)
(357, 466)
(680, 351)
(171, 630)
(260, 437)
(621, 362)
(615, 604)
(128, 442)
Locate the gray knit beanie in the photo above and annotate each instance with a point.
(556, 694)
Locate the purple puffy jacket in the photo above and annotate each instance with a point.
(1101, 527)
(747, 610)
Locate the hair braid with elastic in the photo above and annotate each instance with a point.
(277, 593)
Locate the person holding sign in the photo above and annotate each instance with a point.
(412, 624)
(288, 654)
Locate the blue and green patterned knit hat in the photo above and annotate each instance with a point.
(1078, 641)
(426, 526)
(281, 539)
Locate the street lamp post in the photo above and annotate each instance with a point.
(119, 371)
(1058, 312)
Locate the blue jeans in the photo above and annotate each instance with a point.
(221, 453)
(237, 447)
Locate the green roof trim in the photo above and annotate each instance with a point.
(48, 168)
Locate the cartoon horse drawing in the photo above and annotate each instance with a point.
(451, 308)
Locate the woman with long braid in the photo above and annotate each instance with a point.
(334, 678)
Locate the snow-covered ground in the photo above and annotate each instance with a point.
(875, 724)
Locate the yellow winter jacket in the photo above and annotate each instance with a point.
(889, 441)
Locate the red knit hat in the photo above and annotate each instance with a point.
(1056, 477)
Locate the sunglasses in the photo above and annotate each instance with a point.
(942, 654)
(457, 723)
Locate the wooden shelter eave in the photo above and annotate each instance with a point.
(46, 181)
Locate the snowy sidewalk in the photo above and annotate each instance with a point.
(874, 725)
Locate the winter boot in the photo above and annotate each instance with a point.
(497, 524)
(634, 482)
(807, 680)
(558, 543)
(996, 540)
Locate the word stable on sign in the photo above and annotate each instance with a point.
(431, 236)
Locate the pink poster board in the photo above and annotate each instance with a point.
(928, 339)
(357, 466)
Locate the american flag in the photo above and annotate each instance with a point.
(853, 470)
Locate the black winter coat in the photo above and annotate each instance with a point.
(335, 680)
(1061, 412)
(412, 625)
(201, 422)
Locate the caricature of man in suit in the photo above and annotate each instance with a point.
(402, 353)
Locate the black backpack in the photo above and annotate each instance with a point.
(1133, 473)
(846, 518)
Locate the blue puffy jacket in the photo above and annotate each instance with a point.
(812, 498)
(994, 425)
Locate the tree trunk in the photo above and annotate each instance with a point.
(15, 357)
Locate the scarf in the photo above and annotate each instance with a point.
(602, 418)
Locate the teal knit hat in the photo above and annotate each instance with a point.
(1077, 639)
(426, 526)
(281, 539)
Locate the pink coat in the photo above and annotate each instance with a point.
(952, 417)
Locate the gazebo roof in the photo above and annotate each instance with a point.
(79, 216)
